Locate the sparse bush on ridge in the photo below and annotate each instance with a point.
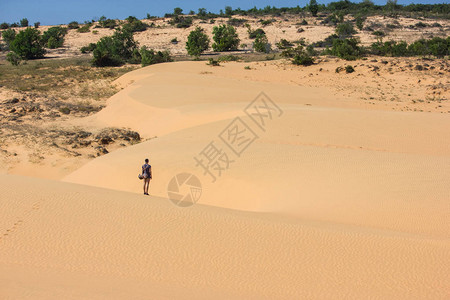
(134, 25)
(85, 28)
(284, 44)
(107, 23)
(73, 25)
(24, 22)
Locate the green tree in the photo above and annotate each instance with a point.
(225, 38)
(27, 44)
(54, 37)
(24, 22)
(201, 12)
(228, 11)
(197, 43)
(313, 7)
(114, 50)
(261, 44)
(8, 36)
(177, 11)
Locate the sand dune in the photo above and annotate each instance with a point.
(334, 199)
(70, 241)
(346, 165)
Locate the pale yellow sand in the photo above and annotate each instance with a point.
(64, 241)
(337, 199)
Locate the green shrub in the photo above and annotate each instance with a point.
(28, 44)
(284, 44)
(88, 48)
(213, 62)
(174, 41)
(13, 58)
(266, 22)
(150, 57)
(24, 22)
(225, 38)
(236, 22)
(8, 36)
(85, 28)
(347, 49)
(303, 60)
(197, 43)
(54, 37)
(261, 44)
(134, 25)
(360, 22)
(390, 48)
(73, 25)
(303, 22)
(327, 42)
(349, 69)
(114, 50)
(224, 58)
(254, 33)
(421, 25)
(181, 22)
(107, 23)
(4, 25)
(37, 24)
(379, 33)
(345, 30)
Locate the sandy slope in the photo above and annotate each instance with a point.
(64, 241)
(336, 199)
(317, 161)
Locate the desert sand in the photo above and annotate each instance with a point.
(339, 196)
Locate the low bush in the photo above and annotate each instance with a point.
(181, 22)
(349, 69)
(345, 30)
(13, 58)
(107, 23)
(134, 25)
(150, 57)
(37, 24)
(347, 49)
(284, 44)
(254, 33)
(236, 22)
(85, 28)
(4, 25)
(88, 48)
(73, 25)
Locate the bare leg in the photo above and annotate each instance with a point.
(146, 184)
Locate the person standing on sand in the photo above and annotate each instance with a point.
(147, 174)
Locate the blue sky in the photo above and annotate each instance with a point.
(53, 12)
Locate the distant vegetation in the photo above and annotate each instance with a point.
(225, 38)
(197, 43)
